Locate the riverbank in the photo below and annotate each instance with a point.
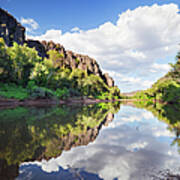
(50, 102)
(4, 102)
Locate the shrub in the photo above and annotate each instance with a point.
(5, 63)
(23, 60)
(13, 91)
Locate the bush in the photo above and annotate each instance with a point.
(41, 92)
(62, 92)
(13, 91)
(50, 77)
(5, 63)
(23, 61)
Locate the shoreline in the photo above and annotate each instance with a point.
(49, 102)
(52, 102)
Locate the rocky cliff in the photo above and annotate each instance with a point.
(11, 31)
(71, 60)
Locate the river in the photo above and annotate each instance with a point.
(105, 141)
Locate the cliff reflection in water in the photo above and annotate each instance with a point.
(28, 134)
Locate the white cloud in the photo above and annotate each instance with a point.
(130, 81)
(75, 29)
(131, 117)
(160, 67)
(132, 46)
(136, 146)
(163, 132)
(53, 34)
(30, 24)
(121, 151)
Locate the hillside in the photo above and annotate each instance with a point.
(167, 88)
(33, 69)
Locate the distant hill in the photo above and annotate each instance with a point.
(130, 94)
(167, 88)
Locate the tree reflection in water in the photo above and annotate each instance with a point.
(28, 134)
(170, 114)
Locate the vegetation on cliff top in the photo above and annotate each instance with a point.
(23, 74)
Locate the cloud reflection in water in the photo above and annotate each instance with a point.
(134, 146)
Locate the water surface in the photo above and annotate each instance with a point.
(91, 142)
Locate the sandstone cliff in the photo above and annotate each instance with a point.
(11, 31)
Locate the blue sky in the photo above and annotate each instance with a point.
(134, 46)
(66, 14)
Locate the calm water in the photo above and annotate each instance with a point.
(92, 142)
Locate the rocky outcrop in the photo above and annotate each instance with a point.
(10, 29)
(38, 46)
(108, 80)
(71, 60)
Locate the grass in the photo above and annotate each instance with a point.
(13, 91)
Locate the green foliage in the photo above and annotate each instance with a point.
(16, 63)
(23, 60)
(45, 72)
(175, 71)
(144, 95)
(8, 115)
(50, 77)
(112, 107)
(112, 94)
(75, 83)
(5, 63)
(166, 89)
(55, 57)
(46, 132)
(77, 60)
(62, 92)
(13, 91)
(41, 92)
(32, 91)
(166, 112)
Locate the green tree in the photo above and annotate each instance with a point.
(45, 72)
(23, 61)
(5, 63)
